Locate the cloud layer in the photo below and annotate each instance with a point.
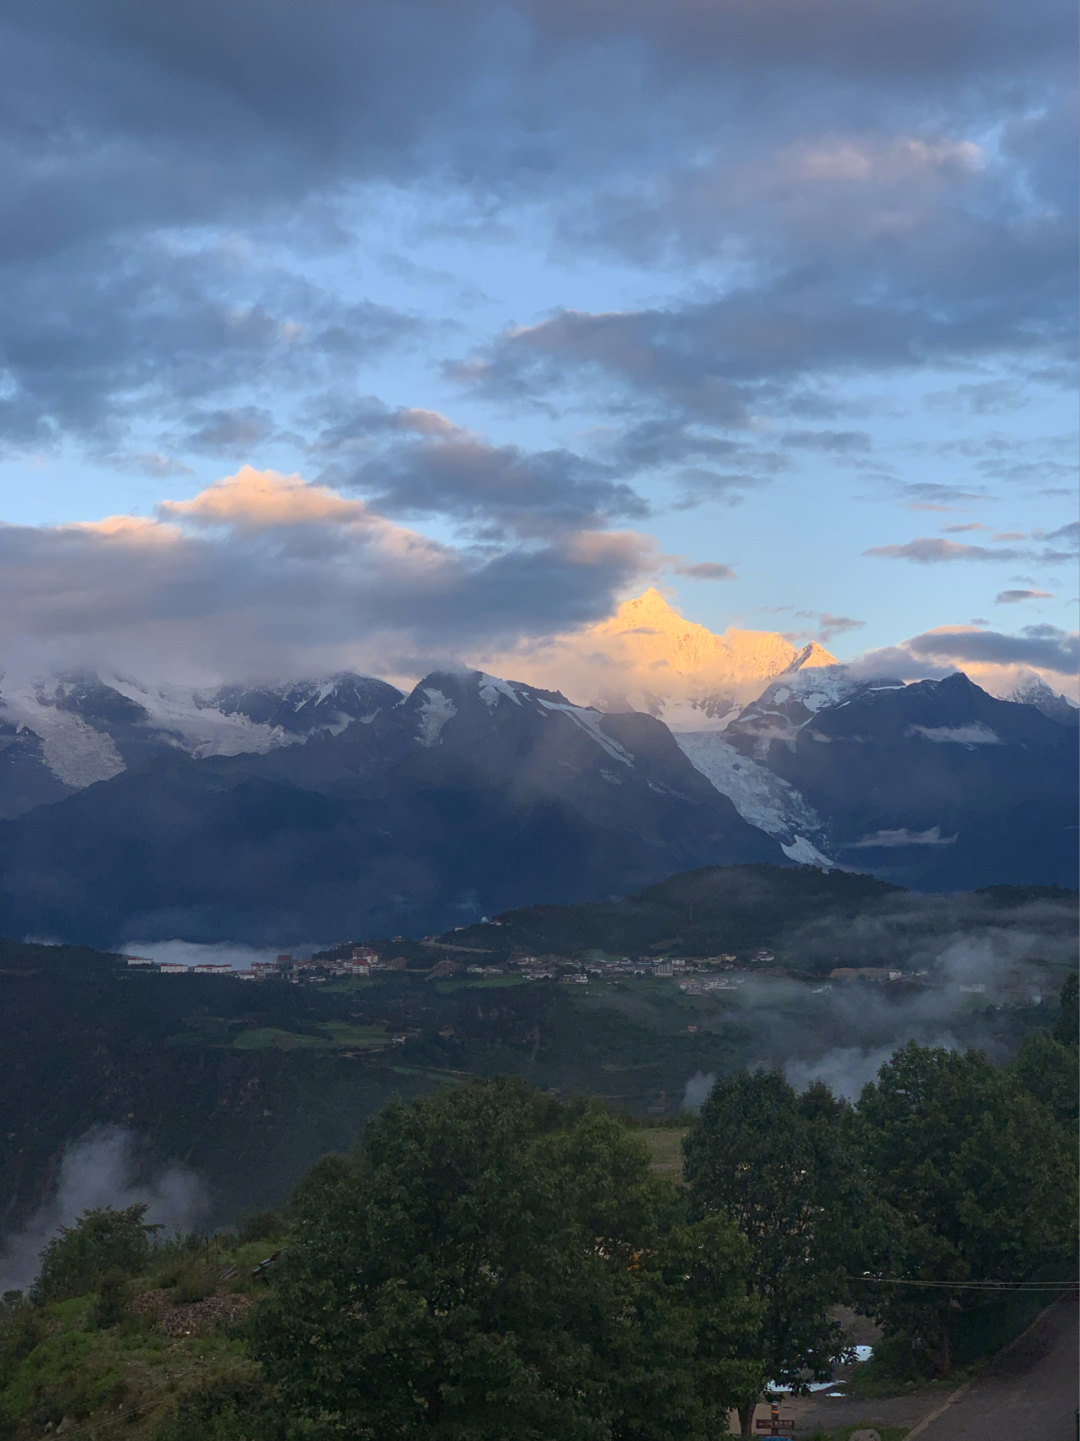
(268, 574)
(508, 283)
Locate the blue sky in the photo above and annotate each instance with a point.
(561, 300)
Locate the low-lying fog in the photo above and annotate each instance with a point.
(958, 985)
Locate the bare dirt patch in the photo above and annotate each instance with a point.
(190, 1318)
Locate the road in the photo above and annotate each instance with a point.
(1029, 1393)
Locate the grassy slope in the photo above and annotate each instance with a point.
(60, 1369)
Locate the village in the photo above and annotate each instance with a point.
(696, 975)
(364, 961)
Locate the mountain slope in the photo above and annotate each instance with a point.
(935, 785)
(469, 796)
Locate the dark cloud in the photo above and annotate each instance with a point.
(705, 570)
(835, 442)
(229, 432)
(142, 462)
(417, 463)
(110, 338)
(828, 626)
(1042, 646)
(988, 397)
(182, 113)
(821, 150)
(932, 550)
(1013, 597)
(931, 493)
(264, 574)
(719, 359)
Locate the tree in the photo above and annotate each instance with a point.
(1067, 1027)
(979, 1181)
(780, 1167)
(1047, 1070)
(492, 1263)
(103, 1242)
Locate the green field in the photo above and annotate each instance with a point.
(665, 1147)
(333, 1035)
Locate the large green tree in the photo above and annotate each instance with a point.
(491, 1263)
(979, 1180)
(781, 1168)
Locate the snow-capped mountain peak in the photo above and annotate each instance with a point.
(1033, 690)
(810, 657)
(686, 675)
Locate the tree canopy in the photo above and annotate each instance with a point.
(492, 1263)
(979, 1182)
(781, 1168)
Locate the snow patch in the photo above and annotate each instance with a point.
(491, 688)
(75, 752)
(589, 720)
(434, 713)
(804, 853)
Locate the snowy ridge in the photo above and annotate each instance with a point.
(196, 723)
(1033, 690)
(589, 721)
(784, 707)
(491, 688)
(685, 675)
(91, 727)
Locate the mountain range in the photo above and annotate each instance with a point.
(467, 796)
(310, 809)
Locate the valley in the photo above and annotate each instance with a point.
(246, 1083)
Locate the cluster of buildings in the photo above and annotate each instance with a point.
(866, 973)
(362, 961)
(572, 972)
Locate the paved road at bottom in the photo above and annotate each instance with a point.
(1030, 1394)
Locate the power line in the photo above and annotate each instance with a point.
(968, 1285)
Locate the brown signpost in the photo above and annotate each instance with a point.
(773, 1425)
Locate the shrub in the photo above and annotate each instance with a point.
(194, 1283)
(111, 1305)
(261, 1226)
(233, 1408)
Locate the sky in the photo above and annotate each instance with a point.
(394, 333)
